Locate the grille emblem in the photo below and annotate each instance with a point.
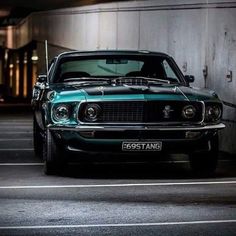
(167, 111)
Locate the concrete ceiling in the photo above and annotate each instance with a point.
(12, 11)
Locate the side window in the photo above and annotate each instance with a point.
(169, 72)
(50, 66)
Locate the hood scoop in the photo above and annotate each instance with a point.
(131, 82)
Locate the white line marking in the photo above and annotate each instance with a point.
(139, 162)
(117, 185)
(41, 163)
(16, 126)
(15, 139)
(158, 162)
(22, 164)
(16, 149)
(118, 225)
(16, 123)
(17, 132)
(173, 162)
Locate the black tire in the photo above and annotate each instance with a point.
(54, 161)
(205, 163)
(38, 140)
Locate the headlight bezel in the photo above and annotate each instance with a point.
(186, 115)
(92, 108)
(65, 108)
(213, 112)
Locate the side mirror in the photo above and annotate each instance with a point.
(42, 79)
(189, 78)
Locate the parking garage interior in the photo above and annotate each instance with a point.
(126, 198)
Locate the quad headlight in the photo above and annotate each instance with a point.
(189, 112)
(92, 112)
(213, 113)
(61, 112)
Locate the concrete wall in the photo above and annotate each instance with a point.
(195, 33)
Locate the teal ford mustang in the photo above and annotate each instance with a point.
(123, 102)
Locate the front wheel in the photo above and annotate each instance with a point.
(54, 161)
(38, 140)
(205, 163)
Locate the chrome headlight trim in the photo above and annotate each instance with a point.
(189, 112)
(213, 113)
(61, 112)
(92, 112)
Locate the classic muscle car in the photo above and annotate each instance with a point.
(123, 102)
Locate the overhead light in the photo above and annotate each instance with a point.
(25, 58)
(11, 66)
(6, 55)
(34, 56)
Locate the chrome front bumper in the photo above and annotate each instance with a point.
(134, 127)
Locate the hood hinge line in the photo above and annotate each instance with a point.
(182, 93)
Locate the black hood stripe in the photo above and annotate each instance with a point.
(122, 90)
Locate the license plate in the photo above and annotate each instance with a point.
(141, 146)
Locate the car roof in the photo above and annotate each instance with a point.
(112, 52)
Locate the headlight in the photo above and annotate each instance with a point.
(189, 112)
(61, 112)
(92, 112)
(213, 113)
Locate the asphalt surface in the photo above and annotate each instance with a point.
(162, 198)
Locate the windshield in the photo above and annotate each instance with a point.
(78, 68)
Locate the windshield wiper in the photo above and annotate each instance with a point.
(157, 80)
(87, 79)
(162, 81)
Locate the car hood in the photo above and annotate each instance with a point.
(76, 92)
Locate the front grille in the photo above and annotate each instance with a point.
(144, 112)
(122, 112)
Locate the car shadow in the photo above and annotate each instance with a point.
(171, 167)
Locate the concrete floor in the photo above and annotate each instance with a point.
(108, 199)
